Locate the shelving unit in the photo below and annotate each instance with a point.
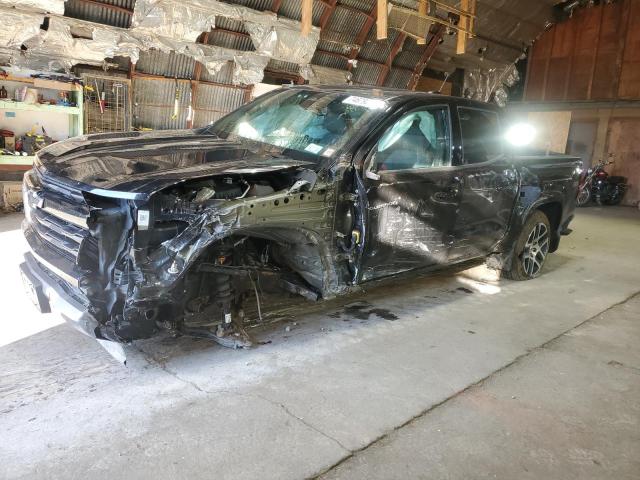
(11, 105)
(26, 160)
(74, 115)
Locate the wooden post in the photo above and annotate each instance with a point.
(307, 15)
(422, 11)
(464, 24)
(383, 12)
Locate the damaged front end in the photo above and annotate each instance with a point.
(184, 258)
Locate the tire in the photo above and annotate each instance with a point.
(531, 249)
(584, 197)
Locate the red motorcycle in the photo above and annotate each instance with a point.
(598, 186)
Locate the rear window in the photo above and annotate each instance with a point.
(481, 139)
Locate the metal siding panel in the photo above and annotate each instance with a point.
(407, 59)
(398, 78)
(364, 5)
(172, 65)
(225, 75)
(260, 5)
(378, 50)
(293, 9)
(202, 118)
(153, 103)
(367, 73)
(218, 99)
(322, 59)
(95, 13)
(224, 39)
(230, 24)
(282, 66)
(344, 25)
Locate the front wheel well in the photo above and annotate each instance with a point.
(553, 212)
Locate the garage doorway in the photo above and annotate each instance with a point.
(582, 139)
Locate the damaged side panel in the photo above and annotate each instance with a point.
(218, 232)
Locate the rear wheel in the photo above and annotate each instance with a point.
(532, 248)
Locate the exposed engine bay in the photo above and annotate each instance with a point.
(184, 269)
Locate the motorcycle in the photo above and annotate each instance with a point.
(597, 185)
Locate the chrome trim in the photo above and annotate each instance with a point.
(60, 273)
(67, 217)
(70, 309)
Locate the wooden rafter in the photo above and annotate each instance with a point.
(329, 8)
(466, 24)
(423, 11)
(362, 35)
(275, 6)
(426, 56)
(383, 12)
(307, 17)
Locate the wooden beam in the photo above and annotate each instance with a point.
(275, 6)
(329, 8)
(362, 35)
(461, 46)
(472, 15)
(383, 12)
(307, 17)
(423, 9)
(595, 52)
(426, 56)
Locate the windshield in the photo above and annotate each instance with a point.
(317, 123)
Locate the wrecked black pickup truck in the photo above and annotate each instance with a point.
(313, 190)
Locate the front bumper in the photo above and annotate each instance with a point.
(49, 294)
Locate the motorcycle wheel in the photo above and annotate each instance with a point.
(584, 196)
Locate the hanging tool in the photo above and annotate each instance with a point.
(115, 89)
(100, 97)
(176, 102)
(190, 107)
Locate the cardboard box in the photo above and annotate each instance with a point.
(10, 143)
(11, 194)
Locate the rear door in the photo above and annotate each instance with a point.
(413, 193)
(490, 185)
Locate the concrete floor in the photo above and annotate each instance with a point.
(476, 378)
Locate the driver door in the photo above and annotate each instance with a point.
(413, 193)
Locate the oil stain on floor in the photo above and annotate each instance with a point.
(363, 311)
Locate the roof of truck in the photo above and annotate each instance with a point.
(397, 94)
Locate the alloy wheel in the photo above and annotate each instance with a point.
(535, 250)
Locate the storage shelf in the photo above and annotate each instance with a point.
(17, 159)
(10, 105)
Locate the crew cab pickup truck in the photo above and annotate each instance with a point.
(313, 190)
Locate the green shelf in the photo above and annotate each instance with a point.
(10, 105)
(16, 159)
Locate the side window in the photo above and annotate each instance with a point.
(420, 139)
(481, 139)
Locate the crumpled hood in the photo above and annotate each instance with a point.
(147, 162)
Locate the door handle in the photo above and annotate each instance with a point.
(451, 192)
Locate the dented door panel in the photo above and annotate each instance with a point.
(411, 218)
